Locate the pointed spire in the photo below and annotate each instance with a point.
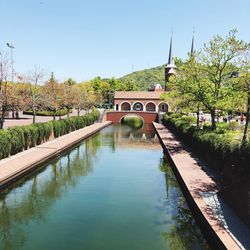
(192, 45)
(170, 56)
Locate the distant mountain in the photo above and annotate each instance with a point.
(143, 79)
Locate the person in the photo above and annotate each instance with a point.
(242, 118)
(236, 118)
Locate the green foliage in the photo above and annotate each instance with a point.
(4, 143)
(133, 121)
(217, 147)
(143, 79)
(16, 139)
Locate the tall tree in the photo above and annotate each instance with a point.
(218, 58)
(35, 77)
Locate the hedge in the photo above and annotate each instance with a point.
(216, 147)
(17, 139)
(60, 112)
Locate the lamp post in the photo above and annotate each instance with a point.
(11, 51)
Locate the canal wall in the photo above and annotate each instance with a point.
(200, 190)
(19, 165)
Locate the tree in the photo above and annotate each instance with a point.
(4, 73)
(68, 100)
(218, 59)
(35, 76)
(52, 94)
(245, 88)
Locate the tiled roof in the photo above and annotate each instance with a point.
(138, 94)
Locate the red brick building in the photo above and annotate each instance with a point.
(149, 101)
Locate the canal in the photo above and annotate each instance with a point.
(114, 191)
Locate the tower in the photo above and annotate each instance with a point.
(192, 46)
(170, 68)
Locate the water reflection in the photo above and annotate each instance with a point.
(32, 201)
(35, 196)
(183, 232)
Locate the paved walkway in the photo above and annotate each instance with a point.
(28, 119)
(232, 232)
(17, 165)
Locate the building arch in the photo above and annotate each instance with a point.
(125, 106)
(163, 107)
(150, 106)
(138, 106)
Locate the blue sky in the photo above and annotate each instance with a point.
(87, 38)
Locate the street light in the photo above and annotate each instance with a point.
(12, 71)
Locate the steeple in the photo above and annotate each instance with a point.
(192, 46)
(170, 68)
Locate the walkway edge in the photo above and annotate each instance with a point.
(19, 165)
(183, 164)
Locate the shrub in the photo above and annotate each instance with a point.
(16, 139)
(5, 138)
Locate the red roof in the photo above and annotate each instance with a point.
(138, 94)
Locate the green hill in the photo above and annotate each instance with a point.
(143, 79)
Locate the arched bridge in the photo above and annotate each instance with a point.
(116, 116)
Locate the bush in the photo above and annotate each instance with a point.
(4, 143)
(17, 139)
(216, 147)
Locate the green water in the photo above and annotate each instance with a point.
(114, 191)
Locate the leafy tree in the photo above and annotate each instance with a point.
(52, 94)
(35, 76)
(218, 59)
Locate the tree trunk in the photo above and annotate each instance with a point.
(34, 114)
(247, 117)
(68, 112)
(78, 111)
(13, 113)
(17, 114)
(213, 116)
(54, 115)
(198, 116)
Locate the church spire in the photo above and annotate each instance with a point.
(192, 46)
(170, 68)
(170, 56)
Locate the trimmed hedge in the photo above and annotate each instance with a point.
(60, 112)
(17, 139)
(231, 158)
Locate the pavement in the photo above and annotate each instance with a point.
(18, 165)
(28, 119)
(228, 227)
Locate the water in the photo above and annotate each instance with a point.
(114, 191)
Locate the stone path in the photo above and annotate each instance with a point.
(28, 119)
(17, 165)
(222, 221)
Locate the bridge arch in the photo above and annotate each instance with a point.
(150, 106)
(125, 106)
(132, 115)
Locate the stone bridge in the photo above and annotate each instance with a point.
(116, 116)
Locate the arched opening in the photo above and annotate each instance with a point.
(150, 106)
(134, 121)
(125, 106)
(163, 107)
(138, 106)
